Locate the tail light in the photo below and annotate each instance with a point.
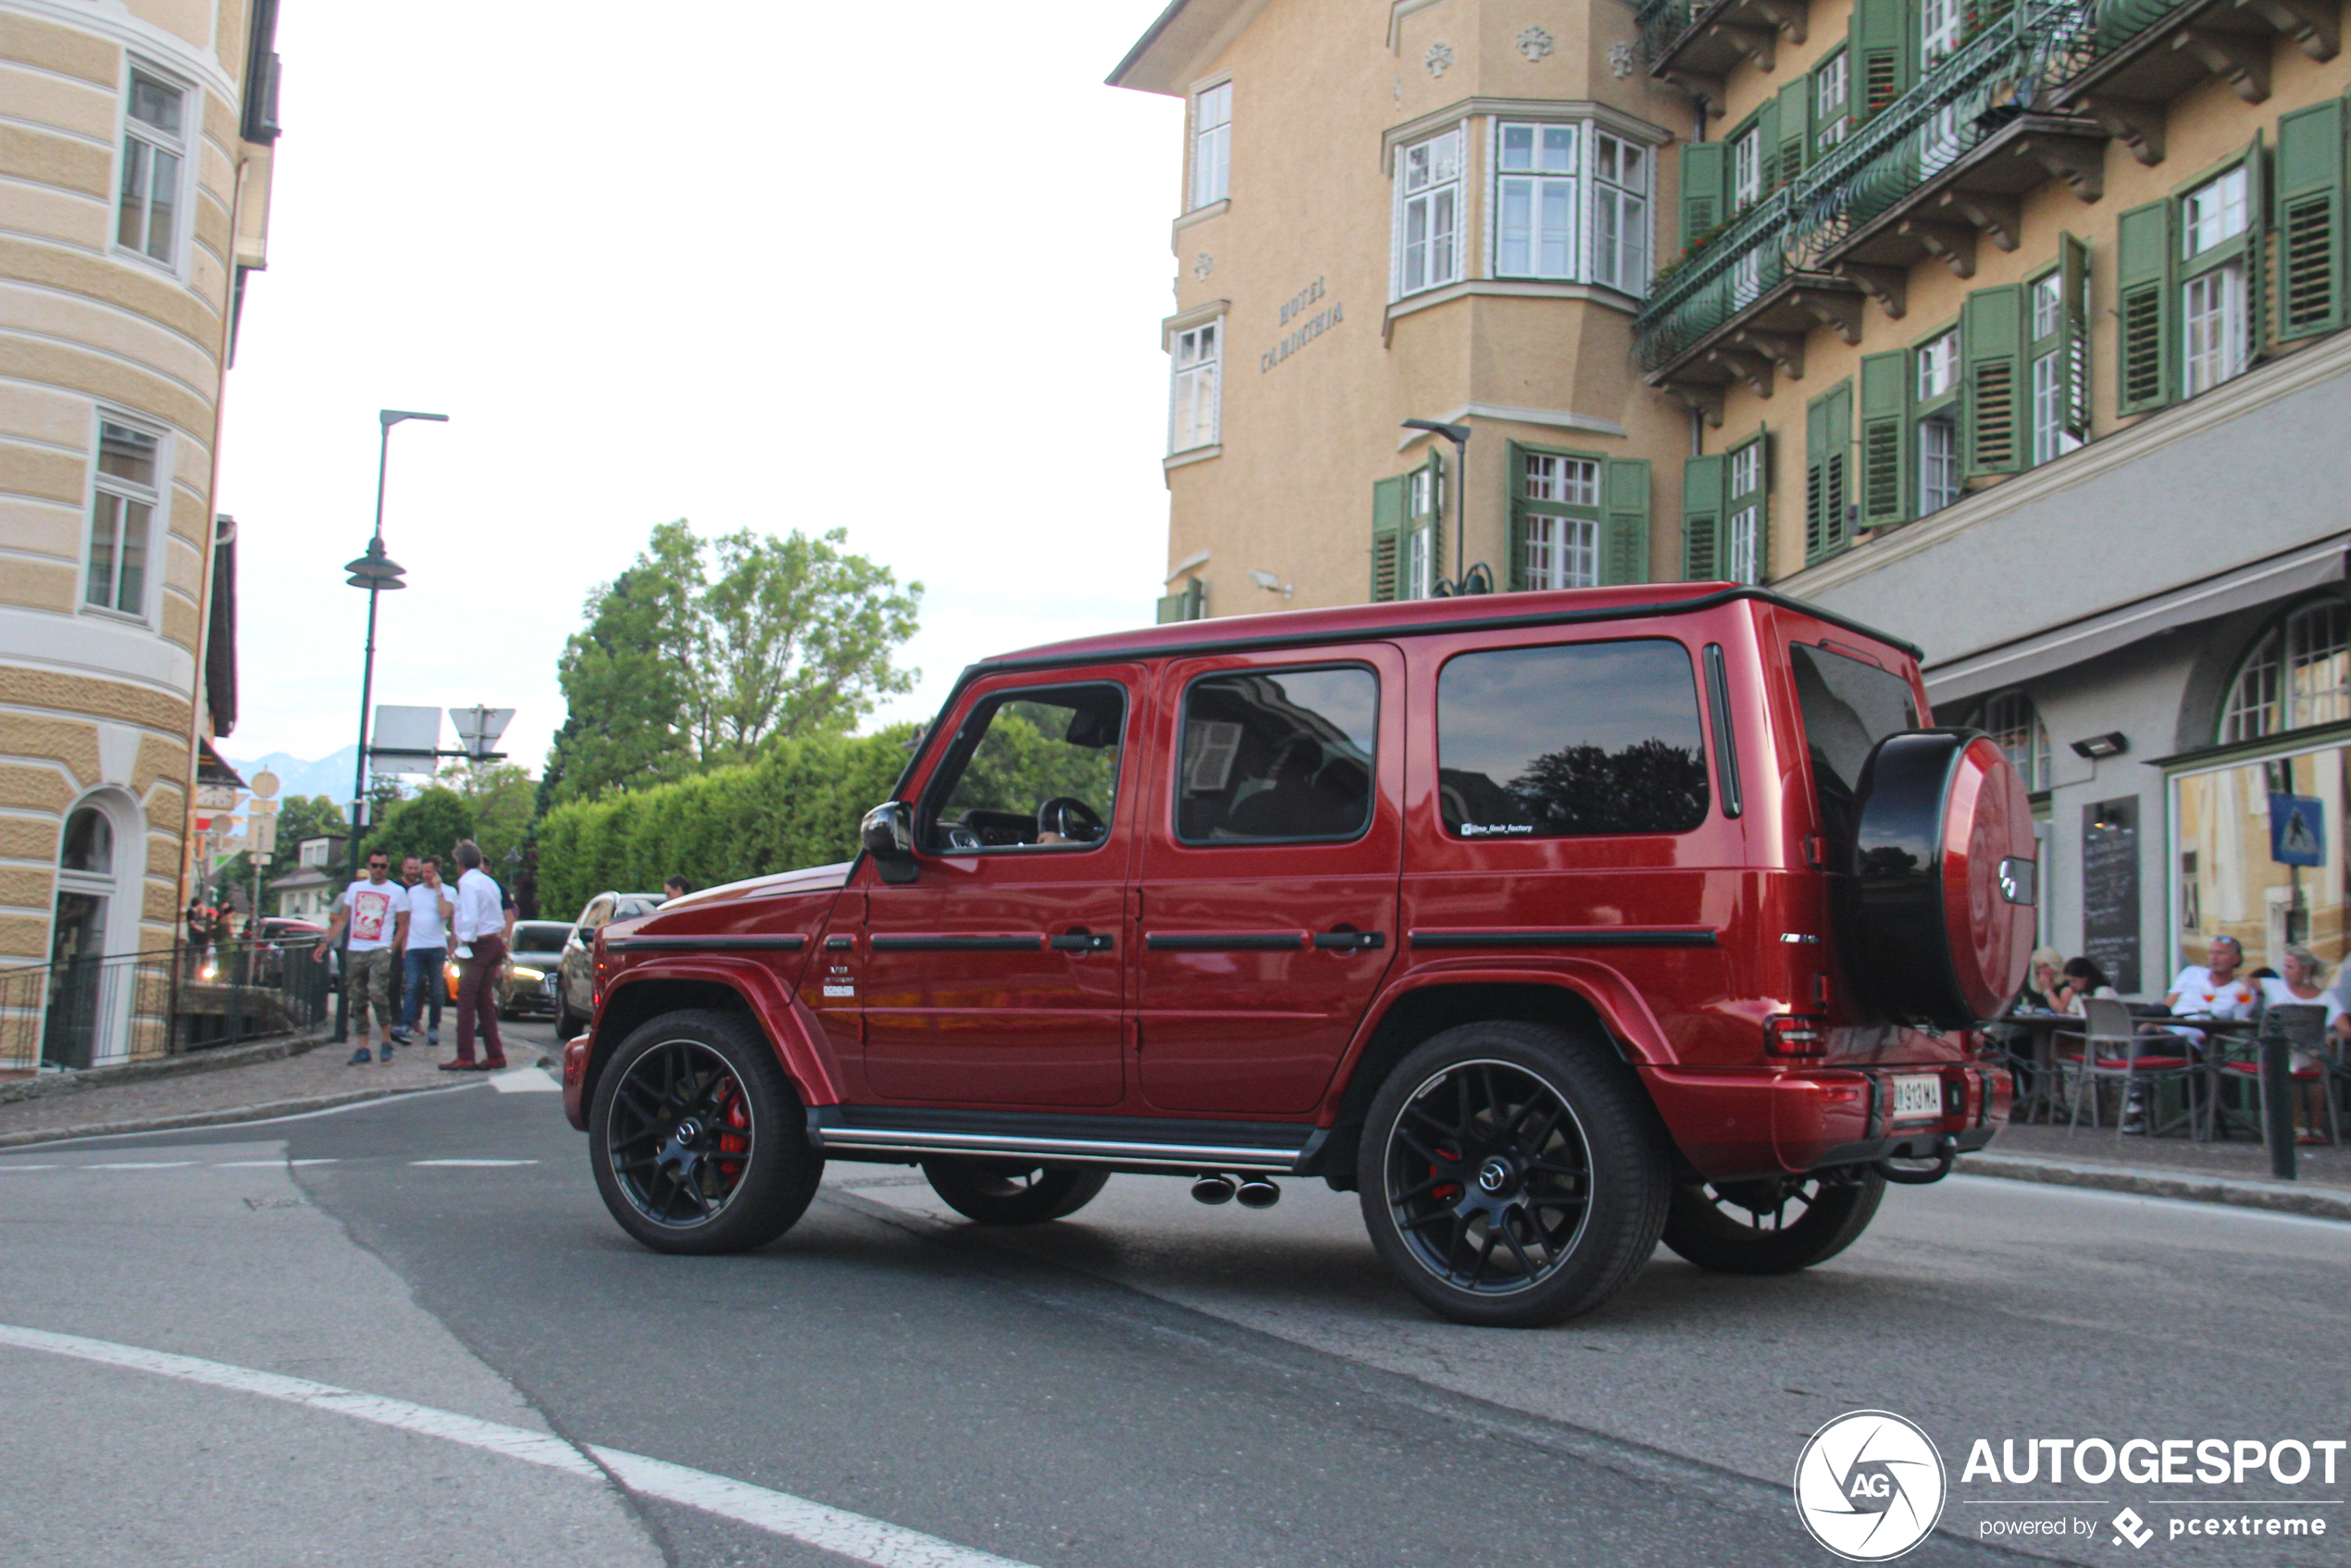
(1796, 1034)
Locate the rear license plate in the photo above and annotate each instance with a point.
(1917, 1099)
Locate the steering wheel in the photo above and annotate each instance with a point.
(1072, 818)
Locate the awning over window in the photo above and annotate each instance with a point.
(2011, 664)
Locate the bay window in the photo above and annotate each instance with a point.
(1570, 204)
(1428, 214)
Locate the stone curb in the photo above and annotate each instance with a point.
(217, 1117)
(2320, 1202)
(47, 1084)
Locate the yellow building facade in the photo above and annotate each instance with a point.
(135, 147)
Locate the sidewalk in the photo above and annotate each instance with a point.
(246, 1085)
(2235, 1172)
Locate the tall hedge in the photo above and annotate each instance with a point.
(798, 805)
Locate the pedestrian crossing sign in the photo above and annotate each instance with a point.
(2297, 830)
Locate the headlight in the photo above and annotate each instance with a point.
(522, 972)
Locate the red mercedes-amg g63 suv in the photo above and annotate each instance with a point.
(1553, 924)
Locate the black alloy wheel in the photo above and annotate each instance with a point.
(699, 1144)
(1512, 1178)
(1009, 1192)
(1772, 1225)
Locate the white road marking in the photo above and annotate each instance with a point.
(525, 1080)
(828, 1529)
(27, 1167)
(263, 1165)
(141, 1165)
(473, 1162)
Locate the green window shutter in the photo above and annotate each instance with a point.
(1186, 604)
(1886, 52)
(2256, 263)
(2142, 285)
(1705, 182)
(1766, 123)
(1886, 448)
(1624, 530)
(1992, 355)
(1796, 128)
(1837, 468)
(1702, 508)
(1388, 497)
(2310, 233)
(2073, 281)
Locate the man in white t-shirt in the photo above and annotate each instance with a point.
(377, 914)
(2216, 990)
(423, 948)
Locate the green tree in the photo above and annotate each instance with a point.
(678, 670)
(502, 798)
(299, 818)
(430, 822)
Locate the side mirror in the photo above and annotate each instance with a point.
(887, 834)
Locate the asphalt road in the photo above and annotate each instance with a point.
(1148, 1385)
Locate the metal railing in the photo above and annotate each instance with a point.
(136, 1006)
(1726, 275)
(1663, 23)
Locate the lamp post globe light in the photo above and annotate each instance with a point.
(378, 573)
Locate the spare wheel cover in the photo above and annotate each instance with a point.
(1939, 923)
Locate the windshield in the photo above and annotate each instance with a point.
(541, 936)
(1848, 706)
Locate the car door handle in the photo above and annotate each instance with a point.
(1351, 942)
(1083, 942)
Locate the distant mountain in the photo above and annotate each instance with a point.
(330, 775)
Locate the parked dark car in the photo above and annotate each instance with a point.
(534, 968)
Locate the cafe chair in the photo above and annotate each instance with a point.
(2114, 1051)
(2239, 1061)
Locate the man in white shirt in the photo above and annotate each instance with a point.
(423, 948)
(2214, 990)
(480, 926)
(375, 912)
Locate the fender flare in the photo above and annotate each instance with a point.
(1622, 1009)
(791, 1030)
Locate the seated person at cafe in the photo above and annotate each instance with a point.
(2304, 984)
(2215, 989)
(2083, 978)
(2043, 983)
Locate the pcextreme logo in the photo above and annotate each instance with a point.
(1869, 1485)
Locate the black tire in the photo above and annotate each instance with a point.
(1746, 1227)
(1007, 1193)
(566, 1023)
(699, 1142)
(1514, 1133)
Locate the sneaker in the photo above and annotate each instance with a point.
(402, 1035)
(360, 1057)
(385, 1053)
(432, 1036)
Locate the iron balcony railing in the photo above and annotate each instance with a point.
(1970, 94)
(1722, 278)
(1661, 24)
(86, 1012)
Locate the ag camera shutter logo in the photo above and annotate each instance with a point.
(1869, 1485)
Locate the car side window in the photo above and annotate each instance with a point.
(1031, 768)
(598, 911)
(1576, 740)
(1277, 756)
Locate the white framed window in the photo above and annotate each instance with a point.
(1212, 143)
(1418, 571)
(1747, 168)
(1747, 468)
(1830, 91)
(125, 494)
(2297, 675)
(2048, 304)
(2213, 214)
(1747, 543)
(2212, 320)
(1196, 363)
(1574, 481)
(1939, 464)
(1939, 25)
(1561, 551)
(1426, 493)
(1535, 206)
(2012, 721)
(2048, 405)
(1620, 213)
(1428, 215)
(1939, 366)
(154, 159)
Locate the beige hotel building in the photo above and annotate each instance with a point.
(135, 145)
(2013, 326)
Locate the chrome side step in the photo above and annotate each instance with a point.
(826, 1129)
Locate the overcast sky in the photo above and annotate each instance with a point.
(897, 269)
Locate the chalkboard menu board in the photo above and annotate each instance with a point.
(2111, 890)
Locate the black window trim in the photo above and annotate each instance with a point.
(1726, 756)
(961, 745)
(1183, 714)
(1453, 835)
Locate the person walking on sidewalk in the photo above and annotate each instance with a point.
(425, 950)
(375, 912)
(481, 927)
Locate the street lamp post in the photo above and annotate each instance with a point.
(378, 573)
(1478, 579)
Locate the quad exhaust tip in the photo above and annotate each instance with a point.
(1258, 1193)
(1212, 1189)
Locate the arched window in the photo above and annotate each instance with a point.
(2297, 675)
(88, 843)
(2011, 718)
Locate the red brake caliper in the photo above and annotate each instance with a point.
(733, 1112)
